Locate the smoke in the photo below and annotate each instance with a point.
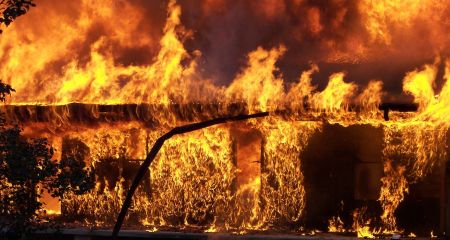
(366, 39)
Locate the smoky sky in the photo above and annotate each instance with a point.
(321, 32)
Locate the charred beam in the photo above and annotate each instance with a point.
(152, 115)
(398, 107)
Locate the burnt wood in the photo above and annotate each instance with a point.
(153, 115)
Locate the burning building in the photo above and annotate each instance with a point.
(356, 142)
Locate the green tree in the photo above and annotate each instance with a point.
(11, 9)
(27, 169)
(27, 166)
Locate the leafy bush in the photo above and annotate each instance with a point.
(27, 169)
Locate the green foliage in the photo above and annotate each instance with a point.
(5, 90)
(27, 169)
(24, 165)
(72, 174)
(11, 9)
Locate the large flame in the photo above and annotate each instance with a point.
(197, 180)
(257, 85)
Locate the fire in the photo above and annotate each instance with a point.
(421, 140)
(335, 96)
(395, 186)
(370, 99)
(438, 108)
(420, 85)
(300, 93)
(335, 224)
(383, 19)
(209, 180)
(361, 225)
(102, 79)
(257, 85)
(283, 190)
(380, 12)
